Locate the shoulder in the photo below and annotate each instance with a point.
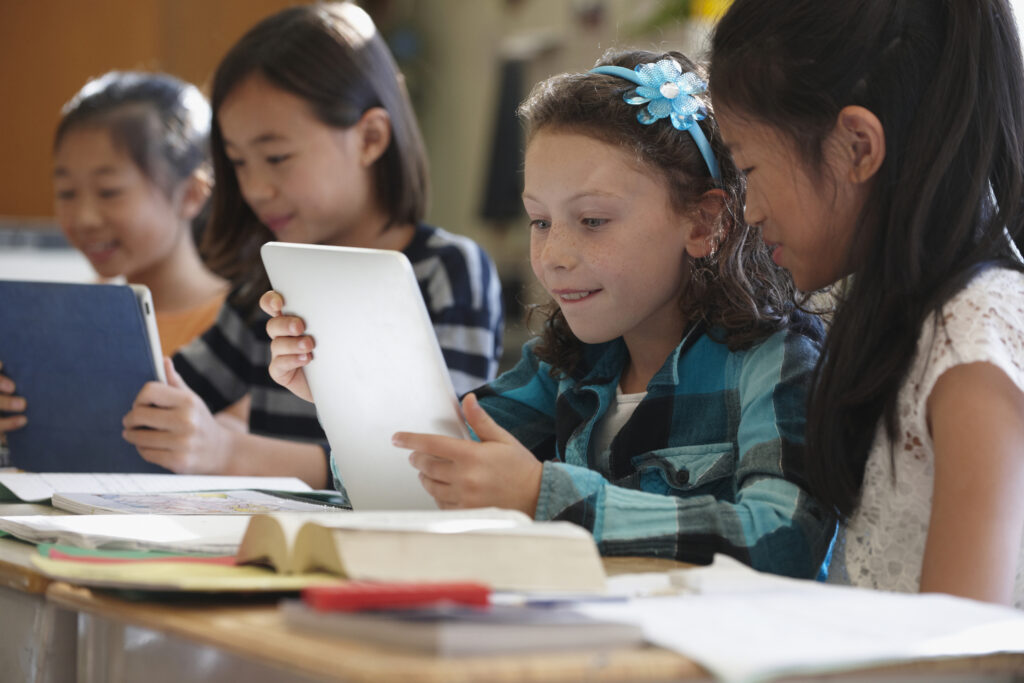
(431, 244)
(793, 349)
(983, 322)
(453, 269)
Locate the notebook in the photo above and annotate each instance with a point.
(79, 354)
(377, 367)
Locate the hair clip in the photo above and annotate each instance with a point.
(668, 92)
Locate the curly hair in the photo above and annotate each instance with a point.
(737, 292)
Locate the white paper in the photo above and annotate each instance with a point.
(763, 627)
(218, 534)
(30, 487)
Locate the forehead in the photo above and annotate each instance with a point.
(580, 159)
(88, 147)
(256, 108)
(744, 134)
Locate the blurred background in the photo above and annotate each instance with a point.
(467, 64)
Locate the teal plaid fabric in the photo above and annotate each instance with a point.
(710, 460)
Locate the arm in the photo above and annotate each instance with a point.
(172, 427)
(976, 416)
(765, 518)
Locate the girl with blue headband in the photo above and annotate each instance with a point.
(662, 405)
(883, 139)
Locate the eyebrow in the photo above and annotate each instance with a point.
(579, 195)
(261, 139)
(102, 170)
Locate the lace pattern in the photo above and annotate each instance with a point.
(883, 545)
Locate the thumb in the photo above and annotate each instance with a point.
(173, 378)
(483, 424)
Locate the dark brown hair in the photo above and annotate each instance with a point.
(738, 292)
(946, 81)
(162, 123)
(333, 57)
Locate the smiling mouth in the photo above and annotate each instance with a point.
(573, 296)
(99, 250)
(277, 223)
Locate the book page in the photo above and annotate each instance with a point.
(30, 487)
(433, 521)
(217, 534)
(244, 502)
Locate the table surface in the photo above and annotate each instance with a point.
(258, 631)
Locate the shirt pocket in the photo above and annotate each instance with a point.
(686, 468)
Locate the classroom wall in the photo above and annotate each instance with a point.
(49, 48)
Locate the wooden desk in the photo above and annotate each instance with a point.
(257, 634)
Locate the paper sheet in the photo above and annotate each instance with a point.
(31, 487)
(748, 627)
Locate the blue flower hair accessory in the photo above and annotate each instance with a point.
(668, 92)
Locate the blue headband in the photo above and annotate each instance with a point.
(667, 91)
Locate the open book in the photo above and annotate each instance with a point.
(503, 548)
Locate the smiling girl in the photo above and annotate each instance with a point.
(882, 140)
(131, 174)
(314, 140)
(662, 407)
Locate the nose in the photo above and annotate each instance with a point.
(255, 184)
(85, 213)
(753, 211)
(557, 248)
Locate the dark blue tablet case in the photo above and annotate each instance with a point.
(79, 354)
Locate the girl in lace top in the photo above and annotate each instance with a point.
(882, 139)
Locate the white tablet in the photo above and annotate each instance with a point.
(377, 367)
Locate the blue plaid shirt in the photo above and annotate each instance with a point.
(710, 461)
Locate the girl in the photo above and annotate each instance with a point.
(663, 406)
(130, 177)
(314, 140)
(882, 138)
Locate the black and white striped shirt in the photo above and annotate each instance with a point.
(462, 292)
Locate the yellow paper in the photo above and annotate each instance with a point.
(177, 576)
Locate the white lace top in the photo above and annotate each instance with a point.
(883, 546)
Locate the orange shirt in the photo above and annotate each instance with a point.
(179, 328)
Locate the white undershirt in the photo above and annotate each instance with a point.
(611, 422)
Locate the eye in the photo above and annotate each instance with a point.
(540, 224)
(747, 171)
(65, 195)
(110, 193)
(594, 222)
(275, 159)
(236, 163)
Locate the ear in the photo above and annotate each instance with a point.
(706, 224)
(861, 139)
(374, 129)
(193, 193)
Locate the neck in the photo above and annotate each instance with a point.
(179, 281)
(647, 354)
(369, 232)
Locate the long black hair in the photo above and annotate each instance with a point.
(945, 79)
(332, 56)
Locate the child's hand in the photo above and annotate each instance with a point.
(289, 351)
(10, 404)
(496, 471)
(173, 428)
